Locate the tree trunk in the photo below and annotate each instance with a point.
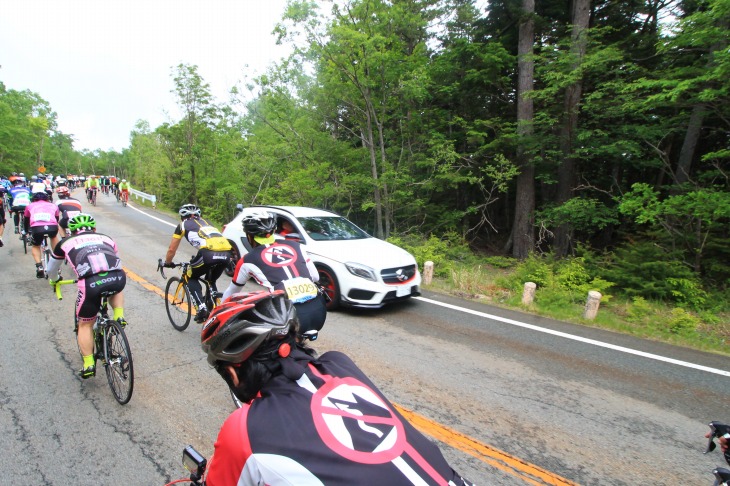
(523, 231)
(567, 170)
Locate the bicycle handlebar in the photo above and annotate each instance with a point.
(161, 266)
(57, 287)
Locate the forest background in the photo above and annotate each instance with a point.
(581, 145)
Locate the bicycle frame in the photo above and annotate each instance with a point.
(178, 299)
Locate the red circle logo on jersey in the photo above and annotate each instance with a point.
(356, 423)
(279, 255)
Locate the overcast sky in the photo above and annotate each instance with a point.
(104, 64)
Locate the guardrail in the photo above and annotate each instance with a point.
(139, 194)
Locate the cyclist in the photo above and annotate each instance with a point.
(279, 265)
(124, 188)
(19, 199)
(41, 218)
(98, 268)
(305, 419)
(214, 252)
(68, 207)
(2, 213)
(92, 185)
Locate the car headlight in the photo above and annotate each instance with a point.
(361, 271)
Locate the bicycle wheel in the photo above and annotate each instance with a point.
(24, 239)
(45, 257)
(178, 305)
(118, 366)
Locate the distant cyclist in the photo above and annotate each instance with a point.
(41, 219)
(306, 420)
(19, 199)
(214, 252)
(2, 213)
(68, 206)
(124, 189)
(98, 268)
(279, 265)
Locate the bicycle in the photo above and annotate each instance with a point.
(178, 302)
(111, 347)
(21, 229)
(124, 197)
(92, 196)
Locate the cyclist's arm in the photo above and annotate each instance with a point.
(231, 462)
(172, 249)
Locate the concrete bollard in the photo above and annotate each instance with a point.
(427, 273)
(594, 300)
(528, 294)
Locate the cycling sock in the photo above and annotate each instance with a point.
(89, 361)
(118, 313)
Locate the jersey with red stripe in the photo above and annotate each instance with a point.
(330, 426)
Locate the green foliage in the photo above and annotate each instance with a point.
(645, 269)
(639, 309)
(681, 321)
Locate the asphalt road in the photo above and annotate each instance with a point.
(509, 404)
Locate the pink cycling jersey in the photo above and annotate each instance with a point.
(42, 213)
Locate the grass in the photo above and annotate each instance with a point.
(637, 317)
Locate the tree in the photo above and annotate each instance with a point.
(523, 229)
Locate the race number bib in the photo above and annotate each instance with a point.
(300, 289)
(42, 217)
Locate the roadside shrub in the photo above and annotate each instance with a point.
(443, 252)
(681, 321)
(687, 292)
(645, 269)
(639, 309)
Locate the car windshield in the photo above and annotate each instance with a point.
(324, 228)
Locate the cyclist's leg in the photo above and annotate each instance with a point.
(196, 270)
(117, 300)
(2, 225)
(36, 238)
(87, 305)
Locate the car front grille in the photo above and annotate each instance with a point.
(398, 275)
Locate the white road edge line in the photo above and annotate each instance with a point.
(540, 329)
(149, 215)
(578, 338)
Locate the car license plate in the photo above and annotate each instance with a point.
(403, 291)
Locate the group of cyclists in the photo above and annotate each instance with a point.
(107, 185)
(257, 342)
(92, 257)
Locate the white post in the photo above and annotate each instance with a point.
(427, 272)
(594, 300)
(528, 294)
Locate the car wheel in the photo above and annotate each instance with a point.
(235, 256)
(328, 281)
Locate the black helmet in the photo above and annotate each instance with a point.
(187, 210)
(240, 326)
(258, 222)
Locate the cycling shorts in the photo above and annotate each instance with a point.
(37, 232)
(92, 289)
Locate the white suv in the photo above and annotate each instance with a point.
(356, 269)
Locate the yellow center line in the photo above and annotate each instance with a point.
(496, 458)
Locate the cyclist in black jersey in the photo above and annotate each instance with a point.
(214, 252)
(279, 265)
(305, 419)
